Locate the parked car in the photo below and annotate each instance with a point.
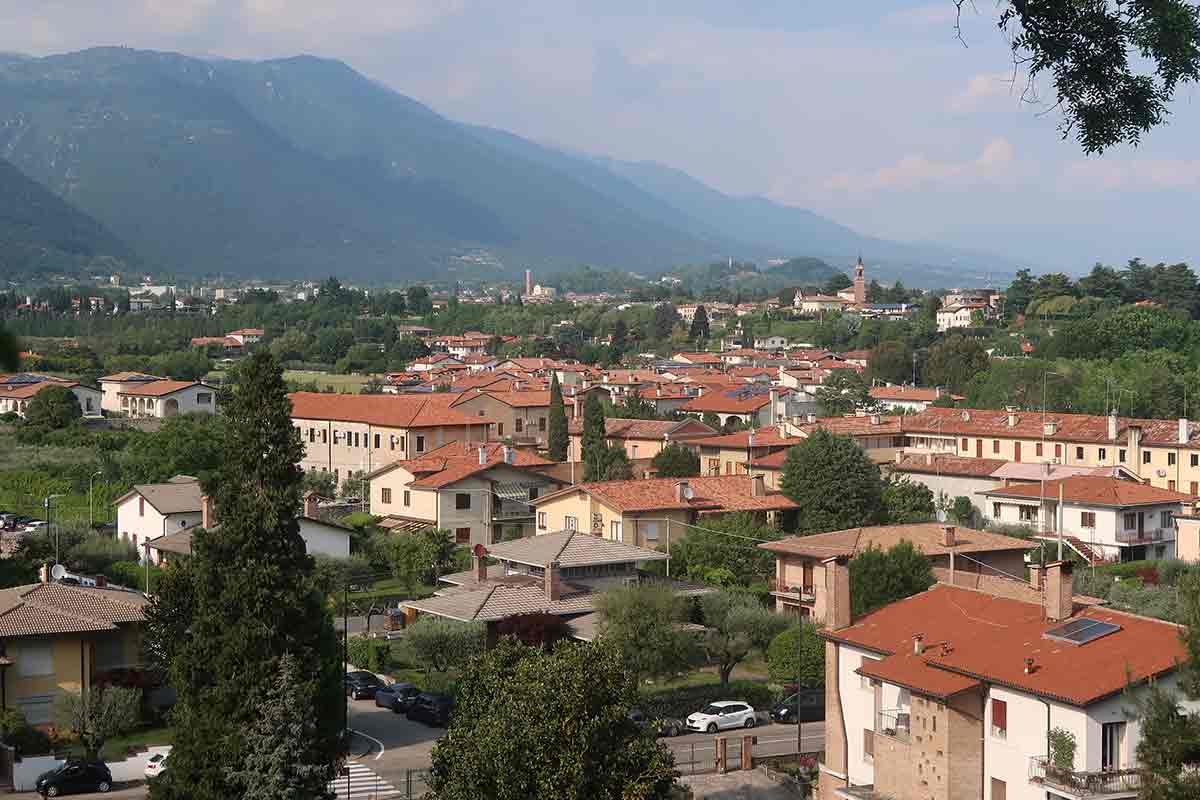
(809, 703)
(432, 709)
(73, 777)
(362, 685)
(722, 715)
(667, 726)
(396, 696)
(156, 765)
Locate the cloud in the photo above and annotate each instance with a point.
(346, 17)
(1140, 174)
(918, 171)
(983, 90)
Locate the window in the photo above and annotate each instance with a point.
(868, 743)
(354, 440)
(1130, 521)
(141, 506)
(35, 659)
(965, 445)
(1170, 459)
(462, 501)
(995, 511)
(518, 425)
(728, 467)
(1112, 745)
(403, 439)
(1192, 487)
(1164, 519)
(1027, 513)
(614, 530)
(999, 719)
(1146, 457)
(499, 428)
(714, 466)
(312, 435)
(1103, 453)
(634, 455)
(1037, 449)
(324, 436)
(571, 523)
(1171, 485)
(1194, 460)
(541, 520)
(377, 441)
(387, 496)
(1058, 451)
(204, 398)
(38, 710)
(407, 498)
(462, 535)
(420, 444)
(542, 424)
(999, 789)
(649, 532)
(1121, 455)
(995, 445)
(1079, 454)
(1087, 519)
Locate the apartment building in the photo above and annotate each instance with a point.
(908, 398)
(640, 438)
(343, 434)
(1164, 453)
(522, 416)
(959, 694)
(799, 585)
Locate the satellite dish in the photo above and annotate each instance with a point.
(58, 572)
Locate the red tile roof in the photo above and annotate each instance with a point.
(762, 437)
(1093, 490)
(457, 460)
(909, 393)
(713, 493)
(742, 400)
(521, 399)
(857, 425)
(939, 464)
(658, 430)
(988, 638)
(394, 411)
(1061, 427)
(925, 536)
(159, 388)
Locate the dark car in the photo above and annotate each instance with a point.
(73, 777)
(362, 685)
(432, 709)
(809, 704)
(667, 726)
(396, 696)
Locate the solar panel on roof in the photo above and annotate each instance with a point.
(1082, 631)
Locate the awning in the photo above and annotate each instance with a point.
(403, 525)
(517, 492)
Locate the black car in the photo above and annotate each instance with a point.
(362, 685)
(74, 776)
(809, 703)
(662, 727)
(396, 696)
(432, 709)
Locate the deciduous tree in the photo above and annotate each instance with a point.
(834, 483)
(97, 714)
(798, 655)
(440, 644)
(879, 577)
(737, 624)
(53, 408)
(907, 501)
(954, 362)
(646, 623)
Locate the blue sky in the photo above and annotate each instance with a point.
(870, 112)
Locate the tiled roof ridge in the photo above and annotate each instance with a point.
(28, 602)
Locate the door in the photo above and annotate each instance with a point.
(1141, 524)
(1112, 746)
(1016, 451)
(979, 448)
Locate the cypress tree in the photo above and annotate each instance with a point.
(699, 331)
(593, 439)
(224, 618)
(556, 438)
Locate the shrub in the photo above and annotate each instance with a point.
(685, 700)
(95, 554)
(18, 733)
(131, 574)
(369, 654)
(798, 654)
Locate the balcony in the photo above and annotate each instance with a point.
(805, 594)
(894, 723)
(1145, 537)
(1112, 783)
(515, 511)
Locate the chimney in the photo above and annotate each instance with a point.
(101, 581)
(812, 418)
(783, 432)
(44, 573)
(577, 413)
(508, 454)
(1036, 576)
(875, 419)
(553, 585)
(682, 492)
(937, 392)
(1184, 432)
(207, 518)
(1112, 426)
(479, 565)
(837, 592)
(899, 456)
(1029, 666)
(949, 536)
(918, 647)
(482, 456)
(1059, 599)
(310, 506)
(773, 413)
(1012, 416)
(758, 486)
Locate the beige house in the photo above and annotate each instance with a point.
(641, 438)
(161, 399)
(112, 385)
(649, 513)
(523, 416)
(343, 434)
(799, 585)
(474, 490)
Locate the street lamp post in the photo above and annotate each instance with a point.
(1042, 494)
(91, 515)
(49, 524)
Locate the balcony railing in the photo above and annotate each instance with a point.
(1084, 784)
(511, 512)
(1134, 537)
(800, 592)
(893, 722)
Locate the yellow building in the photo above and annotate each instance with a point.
(57, 638)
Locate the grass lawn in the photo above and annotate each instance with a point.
(350, 383)
(115, 749)
(389, 588)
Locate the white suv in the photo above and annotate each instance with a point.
(722, 715)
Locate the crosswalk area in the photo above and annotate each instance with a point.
(362, 784)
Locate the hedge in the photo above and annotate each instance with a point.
(369, 654)
(685, 700)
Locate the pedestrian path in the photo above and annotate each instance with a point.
(363, 784)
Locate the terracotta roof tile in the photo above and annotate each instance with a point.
(615, 428)
(52, 608)
(709, 493)
(395, 411)
(1093, 490)
(159, 388)
(938, 464)
(910, 393)
(925, 536)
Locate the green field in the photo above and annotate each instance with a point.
(326, 380)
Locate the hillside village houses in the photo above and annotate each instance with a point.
(640, 438)
(17, 390)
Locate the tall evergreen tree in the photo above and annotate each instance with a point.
(619, 334)
(699, 329)
(556, 437)
(225, 617)
(834, 483)
(593, 442)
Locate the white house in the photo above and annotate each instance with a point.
(246, 336)
(112, 386)
(908, 398)
(150, 510)
(17, 390)
(959, 316)
(773, 342)
(962, 694)
(1101, 518)
(165, 398)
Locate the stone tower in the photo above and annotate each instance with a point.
(860, 282)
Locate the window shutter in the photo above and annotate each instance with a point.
(1000, 715)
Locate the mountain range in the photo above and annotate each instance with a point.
(304, 167)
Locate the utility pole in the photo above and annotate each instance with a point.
(91, 514)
